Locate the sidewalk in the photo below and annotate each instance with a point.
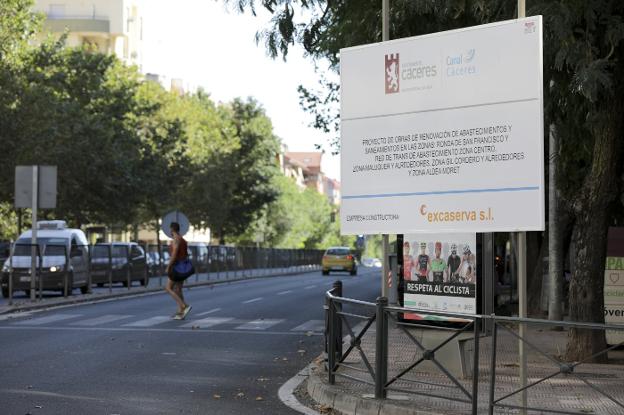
(155, 285)
(561, 393)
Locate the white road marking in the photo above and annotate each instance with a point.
(109, 318)
(153, 329)
(214, 310)
(259, 324)
(208, 322)
(47, 319)
(148, 322)
(284, 292)
(309, 287)
(253, 300)
(312, 325)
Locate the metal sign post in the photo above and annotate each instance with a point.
(33, 250)
(385, 36)
(35, 188)
(522, 286)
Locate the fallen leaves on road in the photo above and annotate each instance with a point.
(240, 395)
(216, 396)
(262, 379)
(259, 398)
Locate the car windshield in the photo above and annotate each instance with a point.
(47, 246)
(338, 251)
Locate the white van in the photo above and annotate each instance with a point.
(64, 251)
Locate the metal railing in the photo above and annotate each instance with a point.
(105, 265)
(375, 373)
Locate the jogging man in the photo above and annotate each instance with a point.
(178, 251)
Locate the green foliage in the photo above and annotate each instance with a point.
(17, 26)
(296, 219)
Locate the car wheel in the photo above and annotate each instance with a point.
(84, 289)
(144, 281)
(5, 292)
(325, 272)
(27, 292)
(100, 284)
(125, 283)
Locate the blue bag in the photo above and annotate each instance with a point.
(183, 269)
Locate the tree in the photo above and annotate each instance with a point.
(232, 181)
(70, 107)
(583, 67)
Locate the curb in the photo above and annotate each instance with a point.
(350, 403)
(97, 298)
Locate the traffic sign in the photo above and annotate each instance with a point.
(175, 216)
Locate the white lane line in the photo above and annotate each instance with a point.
(312, 325)
(208, 322)
(309, 287)
(259, 324)
(253, 300)
(153, 330)
(109, 318)
(148, 322)
(285, 292)
(47, 319)
(214, 310)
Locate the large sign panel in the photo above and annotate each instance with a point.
(440, 274)
(444, 132)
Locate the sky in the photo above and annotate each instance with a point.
(214, 48)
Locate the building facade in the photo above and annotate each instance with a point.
(109, 26)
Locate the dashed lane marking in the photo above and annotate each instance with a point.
(214, 310)
(253, 300)
(208, 322)
(97, 321)
(53, 318)
(259, 324)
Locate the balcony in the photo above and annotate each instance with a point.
(77, 24)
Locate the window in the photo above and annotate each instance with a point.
(56, 10)
(52, 246)
(137, 251)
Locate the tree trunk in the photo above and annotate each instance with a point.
(590, 238)
(555, 263)
(537, 246)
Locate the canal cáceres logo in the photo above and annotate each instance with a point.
(392, 73)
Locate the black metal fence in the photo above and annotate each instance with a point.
(347, 358)
(65, 268)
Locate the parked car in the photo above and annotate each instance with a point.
(62, 251)
(339, 258)
(122, 258)
(198, 253)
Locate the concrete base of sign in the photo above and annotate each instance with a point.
(455, 356)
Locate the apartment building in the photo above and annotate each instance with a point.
(109, 26)
(305, 169)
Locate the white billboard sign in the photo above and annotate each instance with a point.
(444, 132)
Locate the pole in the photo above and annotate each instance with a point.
(33, 249)
(385, 36)
(522, 281)
(522, 285)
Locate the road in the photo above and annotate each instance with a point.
(240, 343)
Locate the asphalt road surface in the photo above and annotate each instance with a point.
(238, 345)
